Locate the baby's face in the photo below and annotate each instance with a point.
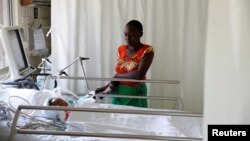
(58, 102)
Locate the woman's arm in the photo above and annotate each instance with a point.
(142, 69)
(138, 74)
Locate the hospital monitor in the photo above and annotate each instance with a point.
(13, 43)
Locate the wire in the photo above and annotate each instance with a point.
(3, 103)
(12, 107)
(3, 110)
(31, 124)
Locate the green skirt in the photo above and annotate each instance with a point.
(138, 90)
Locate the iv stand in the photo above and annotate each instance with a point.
(84, 74)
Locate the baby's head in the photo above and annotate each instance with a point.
(54, 114)
(57, 102)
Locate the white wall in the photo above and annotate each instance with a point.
(227, 65)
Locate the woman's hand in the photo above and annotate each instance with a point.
(99, 90)
(114, 84)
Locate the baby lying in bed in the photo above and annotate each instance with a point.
(56, 115)
(61, 115)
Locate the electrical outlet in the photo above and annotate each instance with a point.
(35, 13)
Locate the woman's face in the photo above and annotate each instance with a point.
(132, 35)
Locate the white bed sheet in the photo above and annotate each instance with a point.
(177, 126)
(103, 123)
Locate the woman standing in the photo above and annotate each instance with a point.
(134, 60)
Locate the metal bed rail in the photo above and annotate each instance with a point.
(139, 97)
(178, 100)
(15, 130)
(118, 79)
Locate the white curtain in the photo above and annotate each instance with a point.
(227, 67)
(94, 28)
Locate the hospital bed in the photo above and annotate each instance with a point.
(102, 121)
(91, 129)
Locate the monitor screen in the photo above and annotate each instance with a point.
(17, 48)
(12, 38)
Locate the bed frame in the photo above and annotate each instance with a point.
(179, 105)
(15, 130)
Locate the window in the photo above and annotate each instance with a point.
(3, 15)
(2, 58)
(4, 21)
(3, 63)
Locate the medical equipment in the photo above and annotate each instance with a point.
(22, 83)
(88, 98)
(4, 113)
(47, 67)
(83, 71)
(13, 43)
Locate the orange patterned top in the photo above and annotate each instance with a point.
(128, 64)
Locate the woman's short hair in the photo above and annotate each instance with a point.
(135, 24)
